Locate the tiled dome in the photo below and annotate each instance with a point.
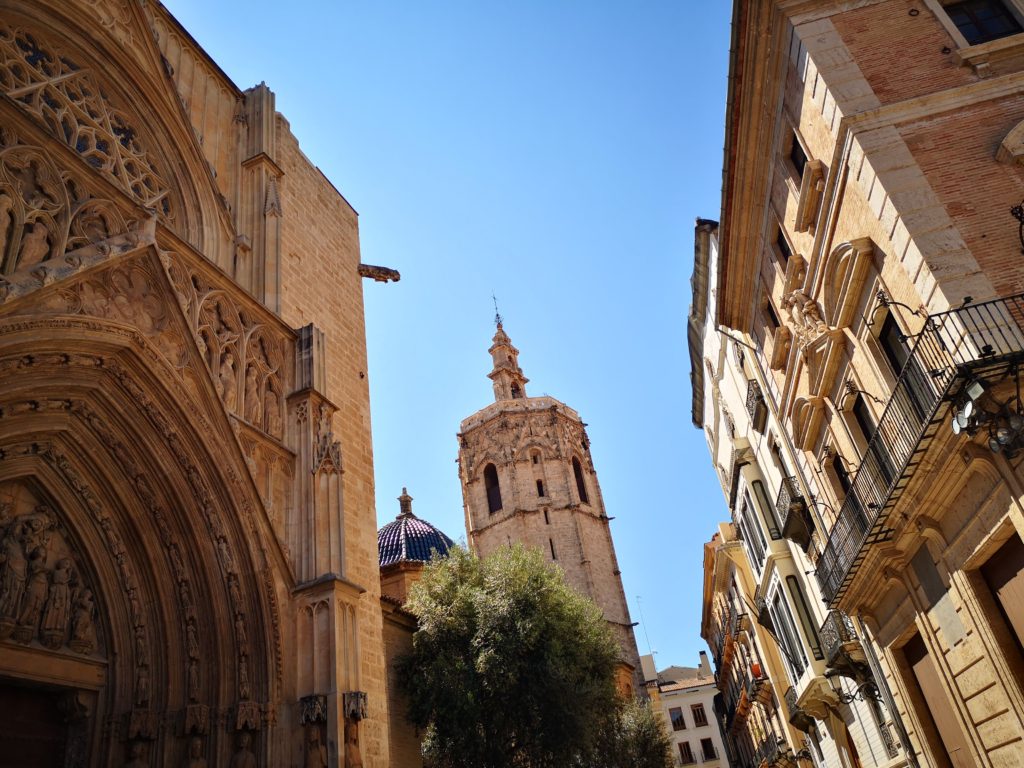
(408, 538)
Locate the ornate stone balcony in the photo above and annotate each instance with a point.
(844, 654)
(794, 516)
(954, 347)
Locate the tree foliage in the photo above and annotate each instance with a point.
(510, 667)
(636, 738)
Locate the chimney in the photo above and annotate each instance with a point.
(705, 665)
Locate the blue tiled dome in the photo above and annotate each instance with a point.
(407, 538)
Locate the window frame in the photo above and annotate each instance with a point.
(494, 501)
(703, 719)
(679, 725)
(938, 7)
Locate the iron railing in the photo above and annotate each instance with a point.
(953, 346)
(757, 410)
(892, 746)
(794, 517)
(836, 630)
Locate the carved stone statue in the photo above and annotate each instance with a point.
(252, 396)
(35, 597)
(243, 679)
(135, 759)
(58, 606)
(226, 379)
(195, 754)
(271, 412)
(243, 757)
(83, 630)
(353, 757)
(13, 569)
(142, 686)
(6, 219)
(316, 750)
(191, 640)
(193, 680)
(35, 247)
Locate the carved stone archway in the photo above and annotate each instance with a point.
(128, 557)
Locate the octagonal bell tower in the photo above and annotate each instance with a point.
(527, 476)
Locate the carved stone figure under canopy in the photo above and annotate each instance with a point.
(195, 754)
(353, 757)
(316, 751)
(243, 757)
(35, 247)
(252, 395)
(83, 631)
(271, 412)
(226, 379)
(35, 597)
(13, 569)
(58, 606)
(6, 219)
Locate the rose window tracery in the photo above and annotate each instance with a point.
(66, 98)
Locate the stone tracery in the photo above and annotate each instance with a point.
(76, 109)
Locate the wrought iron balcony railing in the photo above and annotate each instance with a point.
(794, 516)
(836, 630)
(953, 347)
(844, 654)
(757, 409)
(797, 717)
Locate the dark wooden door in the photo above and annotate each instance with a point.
(32, 728)
(937, 709)
(1004, 574)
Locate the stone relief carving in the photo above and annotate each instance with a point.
(67, 99)
(42, 597)
(82, 610)
(251, 363)
(806, 321)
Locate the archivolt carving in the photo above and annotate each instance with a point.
(77, 110)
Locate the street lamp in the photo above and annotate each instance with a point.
(864, 691)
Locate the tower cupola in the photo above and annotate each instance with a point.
(508, 378)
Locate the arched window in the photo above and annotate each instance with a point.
(493, 489)
(577, 470)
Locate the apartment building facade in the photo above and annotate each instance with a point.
(870, 270)
(793, 693)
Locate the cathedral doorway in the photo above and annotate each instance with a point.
(33, 728)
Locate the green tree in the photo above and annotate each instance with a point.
(636, 738)
(510, 667)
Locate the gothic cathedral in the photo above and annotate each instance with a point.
(527, 476)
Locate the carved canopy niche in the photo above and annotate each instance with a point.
(843, 274)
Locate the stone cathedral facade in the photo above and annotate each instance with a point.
(527, 476)
(188, 562)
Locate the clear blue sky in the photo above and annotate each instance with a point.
(556, 153)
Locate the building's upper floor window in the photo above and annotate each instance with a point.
(797, 157)
(493, 488)
(785, 250)
(707, 748)
(540, 488)
(790, 644)
(982, 20)
(581, 486)
(676, 716)
(686, 753)
(700, 717)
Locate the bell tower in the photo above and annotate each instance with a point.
(527, 476)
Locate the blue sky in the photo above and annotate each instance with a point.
(557, 154)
